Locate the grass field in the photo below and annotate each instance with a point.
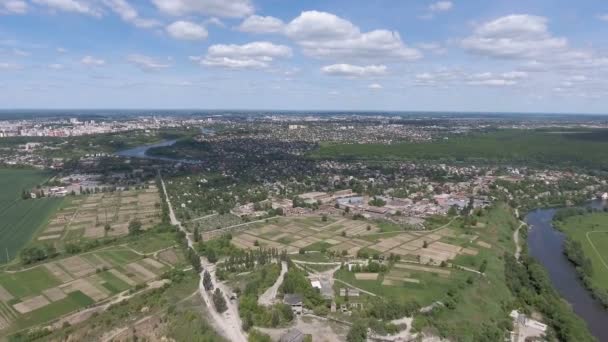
(585, 148)
(73, 301)
(591, 230)
(20, 219)
(23, 284)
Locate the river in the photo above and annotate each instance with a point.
(545, 244)
(142, 151)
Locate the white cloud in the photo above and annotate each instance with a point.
(185, 30)
(13, 6)
(259, 24)
(21, 53)
(220, 8)
(514, 36)
(441, 6)
(56, 66)
(515, 75)
(493, 82)
(603, 17)
(146, 63)
(350, 70)
(324, 35)
(255, 55)
(129, 14)
(76, 6)
(92, 61)
(61, 50)
(375, 86)
(432, 47)
(9, 66)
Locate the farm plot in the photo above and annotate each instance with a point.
(309, 233)
(49, 290)
(103, 214)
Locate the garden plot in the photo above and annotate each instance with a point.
(366, 276)
(87, 216)
(31, 304)
(414, 267)
(77, 266)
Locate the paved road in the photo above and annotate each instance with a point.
(229, 323)
(268, 297)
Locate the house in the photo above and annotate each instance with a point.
(292, 335)
(295, 301)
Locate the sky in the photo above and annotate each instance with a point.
(548, 56)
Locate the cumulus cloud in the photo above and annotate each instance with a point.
(350, 70)
(56, 66)
(325, 35)
(441, 6)
(185, 30)
(255, 55)
(375, 86)
(92, 61)
(13, 7)
(129, 14)
(514, 36)
(76, 6)
(527, 37)
(219, 8)
(146, 63)
(603, 17)
(259, 24)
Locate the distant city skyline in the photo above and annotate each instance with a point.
(544, 56)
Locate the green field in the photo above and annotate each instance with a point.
(583, 148)
(26, 283)
(591, 231)
(72, 302)
(20, 219)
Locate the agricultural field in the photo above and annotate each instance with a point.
(20, 219)
(103, 215)
(47, 291)
(591, 231)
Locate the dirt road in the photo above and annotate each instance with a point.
(268, 297)
(228, 323)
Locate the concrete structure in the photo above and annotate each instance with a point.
(295, 301)
(292, 335)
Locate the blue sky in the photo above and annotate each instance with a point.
(460, 55)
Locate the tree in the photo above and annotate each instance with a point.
(425, 244)
(134, 227)
(107, 227)
(483, 266)
(196, 234)
(324, 218)
(219, 301)
(207, 281)
(357, 333)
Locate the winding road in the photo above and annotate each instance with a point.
(228, 323)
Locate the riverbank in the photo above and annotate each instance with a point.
(545, 246)
(586, 246)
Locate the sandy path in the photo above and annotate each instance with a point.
(268, 297)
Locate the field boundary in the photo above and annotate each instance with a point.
(595, 249)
